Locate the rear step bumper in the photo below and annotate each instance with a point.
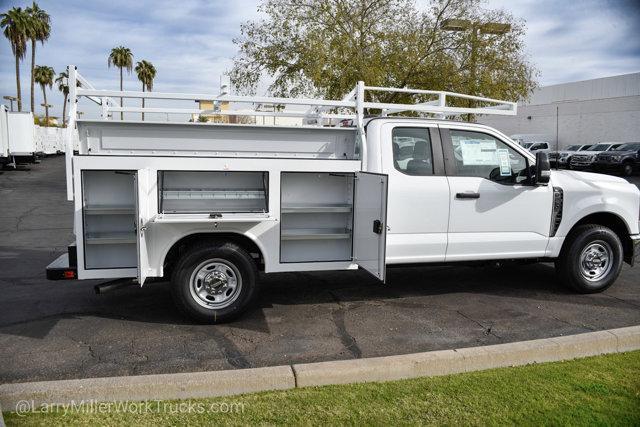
(64, 267)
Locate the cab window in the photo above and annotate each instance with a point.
(412, 154)
(483, 156)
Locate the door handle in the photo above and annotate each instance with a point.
(468, 195)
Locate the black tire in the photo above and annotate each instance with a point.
(627, 169)
(570, 268)
(225, 259)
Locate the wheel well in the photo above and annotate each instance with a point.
(615, 223)
(182, 245)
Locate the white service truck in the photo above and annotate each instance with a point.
(209, 206)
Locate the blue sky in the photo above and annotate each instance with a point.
(190, 41)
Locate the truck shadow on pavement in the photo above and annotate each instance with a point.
(32, 306)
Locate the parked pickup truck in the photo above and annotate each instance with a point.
(587, 158)
(209, 206)
(624, 159)
(562, 158)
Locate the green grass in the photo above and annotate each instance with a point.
(598, 390)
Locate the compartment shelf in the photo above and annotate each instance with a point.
(109, 210)
(204, 218)
(334, 208)
(111, 238)
(191, 194)
(315, 234)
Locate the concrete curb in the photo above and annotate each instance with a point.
(225, 383)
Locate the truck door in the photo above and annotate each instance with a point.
(494, 213)
(370, 223)
(143, 194)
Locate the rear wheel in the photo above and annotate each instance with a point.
(214, 283)
(591, 259)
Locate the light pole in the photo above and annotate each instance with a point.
(46, 107)
(11, 99)
(476, 28)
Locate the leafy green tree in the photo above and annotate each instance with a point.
(38, 30)
(15, 24)
(319, 47)
(121, 58)
(146, 73)
(44, 77)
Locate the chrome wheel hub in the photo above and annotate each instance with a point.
(596, 260)
(215, 284)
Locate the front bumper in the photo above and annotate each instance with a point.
(606, 165)
(581, 165)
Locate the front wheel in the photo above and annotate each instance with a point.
(591, 259)
(214, 283)
(627, 169)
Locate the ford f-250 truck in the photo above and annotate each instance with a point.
(208, 206)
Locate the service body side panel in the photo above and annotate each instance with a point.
(160, 236)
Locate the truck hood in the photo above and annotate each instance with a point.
(588, 178)
(617, 153)
(590, 153)
(565, 152)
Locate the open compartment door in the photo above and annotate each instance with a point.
(142, 221)
(370, 223)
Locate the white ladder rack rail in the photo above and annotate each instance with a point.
(318, 108)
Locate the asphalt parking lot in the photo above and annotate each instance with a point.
(61, 330)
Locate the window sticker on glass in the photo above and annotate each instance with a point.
(505, 162)
(478, 152)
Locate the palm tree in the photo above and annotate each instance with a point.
(121, 57)
(39, 30)
(63, 86)
(44, 77)
(15, 22)
(146, 73)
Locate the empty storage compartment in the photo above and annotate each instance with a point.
(212, 192)
(109, 219)
(317, 216)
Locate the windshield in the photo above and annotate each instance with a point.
(599, 147)
(573, 148)
(627, 147)
(527, 144)
(585, 148)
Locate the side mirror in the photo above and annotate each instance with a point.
(543, 168)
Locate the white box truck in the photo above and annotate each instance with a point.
(22, 140)
(208, 206)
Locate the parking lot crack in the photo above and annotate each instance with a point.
(623, 300)
(23, 216)
(347, 340)
(488, 330)
(232, 354)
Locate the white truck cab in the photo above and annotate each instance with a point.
(207, 206)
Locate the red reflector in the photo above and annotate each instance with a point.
(69, 274)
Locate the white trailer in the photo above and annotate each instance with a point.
(22, 140)
(4, 136)
(209, 205)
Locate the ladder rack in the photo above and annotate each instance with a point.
(352, 107)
